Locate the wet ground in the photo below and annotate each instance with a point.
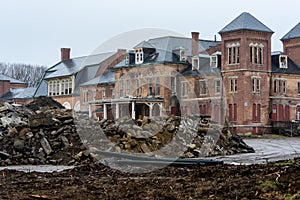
(279, 180)
(266, 150)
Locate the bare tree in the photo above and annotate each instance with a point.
(30, 74)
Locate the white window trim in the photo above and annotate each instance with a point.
(256, 54)
(283, 65)
(182, 55)
(193, 63)
(215, 82)
(185, 88)
(202, 81)
(139, 56)
(236, 57)
(85, 96)
(234, 84)
(277, 86)
(215, 63)
(257, 91)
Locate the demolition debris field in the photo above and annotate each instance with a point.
(45, 133)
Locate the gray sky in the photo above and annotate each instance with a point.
(33, 31)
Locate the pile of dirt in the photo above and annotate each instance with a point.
(43, 132)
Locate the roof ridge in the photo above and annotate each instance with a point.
(289, 35)
(245, 21)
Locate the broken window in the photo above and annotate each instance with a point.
(184, 88)
(283, 61)
(195, 63)
(217, 86)
(173, 85)
(127, 87)
(121, 88)
(214, 61)
(157, 88)
(139, 56)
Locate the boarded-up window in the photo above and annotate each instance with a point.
(280, 113)
(287, 113)
(274, 112)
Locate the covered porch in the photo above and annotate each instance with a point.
(136, 108)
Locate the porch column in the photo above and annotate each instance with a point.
(150, 109)
(90, 111)
(133, 110)
(160, 109)
(117, 111)
(104, 111)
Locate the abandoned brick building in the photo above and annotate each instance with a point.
(238, 80)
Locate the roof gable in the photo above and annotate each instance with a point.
(246, 21)
(293, 33)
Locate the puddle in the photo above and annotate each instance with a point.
(37, 168)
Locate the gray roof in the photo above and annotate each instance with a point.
(20, 93)
(74, 65)
(292, 68)
(106, 78)
(246, 21)
(42, 89)
(12, 80)
(294, 33)
(164, 47)
(144, 44)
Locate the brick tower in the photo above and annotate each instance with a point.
(246, 70)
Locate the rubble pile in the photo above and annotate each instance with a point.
(165, 136)
(40, 133)
(43, 132)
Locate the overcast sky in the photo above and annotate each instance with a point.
(33, 31)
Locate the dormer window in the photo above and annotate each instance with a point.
(195, 63)
(182, 54)
(139, 56)
(283, 61)
(214, 61)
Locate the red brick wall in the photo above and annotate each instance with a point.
(15, 86)
(292, 49)
(4, 87)
(244, 97)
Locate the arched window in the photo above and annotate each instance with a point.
(256, 53)
(233, 53)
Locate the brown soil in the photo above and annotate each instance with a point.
(271, 181)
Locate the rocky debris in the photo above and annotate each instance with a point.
(45, 133)
(188, 137)
(39, 133)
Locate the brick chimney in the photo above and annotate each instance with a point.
(195, 43)
(65, 53)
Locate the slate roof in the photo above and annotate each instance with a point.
(205, 68)
(12, 80)
(74, 65)
(164, 47)
(20, 93)
(106, 78)
(144, 44)
(293, 68)
(293, 33)
(246, 21)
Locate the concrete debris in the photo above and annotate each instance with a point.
(43, 132)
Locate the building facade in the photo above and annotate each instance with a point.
(238, 81)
